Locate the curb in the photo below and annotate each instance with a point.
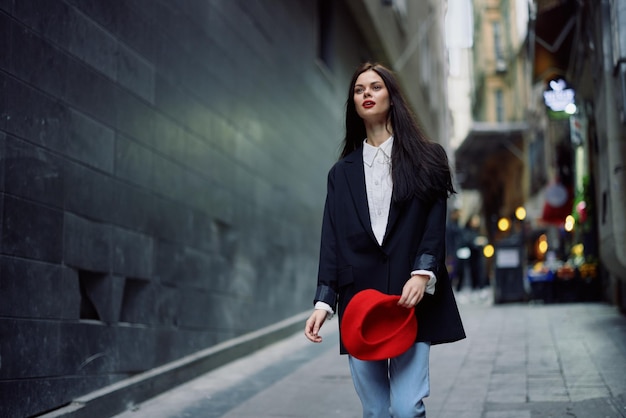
(123, 395)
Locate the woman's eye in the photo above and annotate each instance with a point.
(358, 90)
(377, 87)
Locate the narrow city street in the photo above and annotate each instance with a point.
(519, 361)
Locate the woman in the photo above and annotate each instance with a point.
(384, 229)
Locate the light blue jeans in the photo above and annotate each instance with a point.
(395, 387)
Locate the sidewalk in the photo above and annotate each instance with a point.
(519, 361)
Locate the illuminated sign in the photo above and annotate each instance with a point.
(559, 97)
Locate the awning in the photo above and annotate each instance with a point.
(482, 141)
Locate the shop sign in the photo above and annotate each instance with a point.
(558, 95)
(507, 258)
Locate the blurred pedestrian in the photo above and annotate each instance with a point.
(384, 229)
(453, 241)
(470, 255)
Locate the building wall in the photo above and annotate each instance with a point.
(507, 72)
(501, 94)
(162, 174)
(599, 76)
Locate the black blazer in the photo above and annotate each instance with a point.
(351, 259)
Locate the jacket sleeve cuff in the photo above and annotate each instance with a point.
(327, 295)
(426, 262)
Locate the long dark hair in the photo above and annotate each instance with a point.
(419, 166)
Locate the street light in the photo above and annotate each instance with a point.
(520, 213)
(504, 224)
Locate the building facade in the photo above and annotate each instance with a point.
(490, 162)
(163, 170)
(587, 55)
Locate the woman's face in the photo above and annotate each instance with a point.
(371, 97)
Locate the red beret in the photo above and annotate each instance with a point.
(374, 327)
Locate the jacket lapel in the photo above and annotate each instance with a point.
(394, 213)
(355, 175)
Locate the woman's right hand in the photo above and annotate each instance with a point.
(313, 325)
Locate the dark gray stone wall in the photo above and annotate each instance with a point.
(162, 174)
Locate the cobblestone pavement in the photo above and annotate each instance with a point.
(519, 361)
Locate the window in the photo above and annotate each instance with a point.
(497, 45)
(499, 96)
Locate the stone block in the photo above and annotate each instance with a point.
(169, 179)
(4, 104)
(133, 253)
(169, 262)
(133, 162)
(183, 266)
(104, 13)
(199, 267)
(202, 232)
(169, 220)
(1, 221)
(31, 230)
(199, 155)
(91, 142)
(32, 397)
(135, 118)
(49, 19)
(139, 302)
(168, 301)
(33, 173)
(173, 101)
(87, 244)
(171, 139)
(88, 192)
(136, 74)
(91, 92)
(32, 289)
(190, 317)
(35, 116)
(6, 46)
(83, 35)
(29, 348)
(137, 28)
(37, 61)
(132, 206)
(197, 192)
(2, 161)
(130, 348)
(85, 348)
(221, 274)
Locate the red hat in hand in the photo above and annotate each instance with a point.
(374, 327)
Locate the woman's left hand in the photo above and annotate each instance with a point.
(413, 291)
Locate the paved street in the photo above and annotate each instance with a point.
(519, 361)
